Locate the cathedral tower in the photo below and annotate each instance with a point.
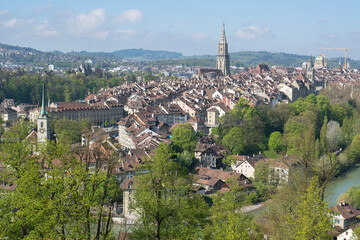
(223, 59)
(43, 122)
(310, 71)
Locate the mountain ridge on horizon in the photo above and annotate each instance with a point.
(162, 57)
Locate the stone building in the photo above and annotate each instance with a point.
(320, 62)
(310, 73)
(97, 113)
(223, 59)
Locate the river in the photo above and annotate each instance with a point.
(334, 189)
(341, 184)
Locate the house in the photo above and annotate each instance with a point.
(344, 215)
(246, 165)
(210, 184)
(135, 103)
(169, 114)
(279, 169)
(7, 114)
(197, 124)
(214, 112)
(203, 143)
(345, 234)
(213, 157)
(213, 180)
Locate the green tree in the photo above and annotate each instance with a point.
(253, 131)
(84, 124)
(52, 193)
(162, 199)
(234, 141)
(333, 135)
(184, 138)
(353, 151)
(323, 104)
(262, 181)
(294, 132)
(352, 196)
(228, 161)
(185, 159)
(311, 219)
(323, 140)
(112, 121)
(276, 142)
(227, 220)
(68, 131)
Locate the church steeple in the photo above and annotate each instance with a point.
(223, 59)
(43, 121)
(43, 112)
(311, 71)
(223, 36)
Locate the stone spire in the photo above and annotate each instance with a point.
(223, 59)
(43, 112)
(223, 35)
(311, 71)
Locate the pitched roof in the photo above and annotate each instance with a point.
(346, 210)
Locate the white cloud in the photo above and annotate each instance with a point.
(16, 23)
(252, 32)
(101, 35)
(11, 23)
(87, 22)
(132, 15)
(199, 36)
(44, 29)
(126, 31)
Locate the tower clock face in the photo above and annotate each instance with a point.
(42, 130)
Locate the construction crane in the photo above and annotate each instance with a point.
(346, 49)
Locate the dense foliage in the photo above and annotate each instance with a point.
(169, 210)
(26, 88)
(53, 194)
(164, 203)
(69, 131)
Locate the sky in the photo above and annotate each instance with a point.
(191, 27)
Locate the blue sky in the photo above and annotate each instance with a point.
(190, 27)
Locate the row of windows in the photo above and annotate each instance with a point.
(336, 221)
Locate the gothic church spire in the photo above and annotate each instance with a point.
(223, 59)
(223, 36)
(43, 112)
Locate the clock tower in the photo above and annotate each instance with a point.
(43, 122)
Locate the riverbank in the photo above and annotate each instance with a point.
(342, 183)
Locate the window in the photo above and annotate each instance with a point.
(42, 124)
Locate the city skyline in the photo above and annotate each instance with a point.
(191, 28)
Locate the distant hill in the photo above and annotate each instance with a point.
(253, 58)
(25, 56)
(29, 56)
(134, 54)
